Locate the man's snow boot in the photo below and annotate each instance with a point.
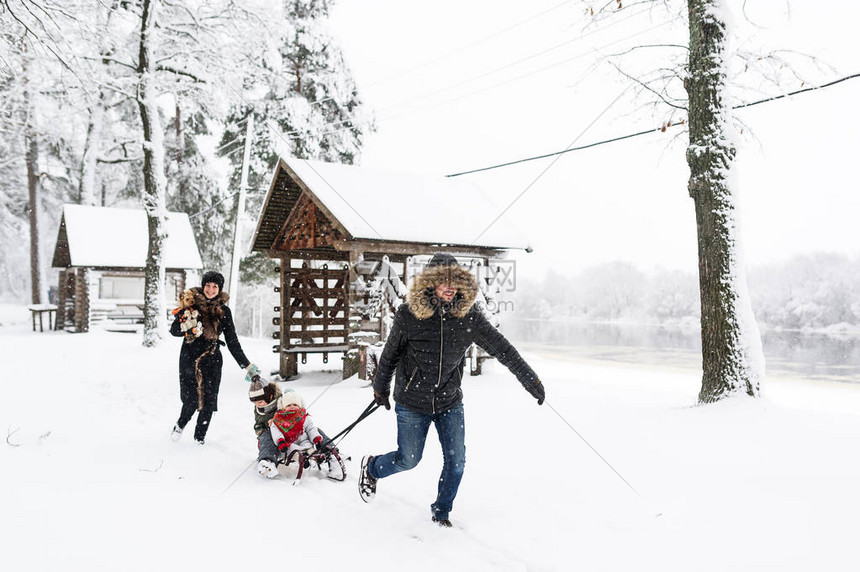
(443, 522)
(366, 483)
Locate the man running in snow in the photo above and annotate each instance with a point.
(425, 354)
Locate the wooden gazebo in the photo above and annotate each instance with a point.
(349, 238)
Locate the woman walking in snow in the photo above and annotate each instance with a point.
(201, 318)
(425, 353)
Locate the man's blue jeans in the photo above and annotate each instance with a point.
(412, 430)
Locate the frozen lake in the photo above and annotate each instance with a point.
(809, 355)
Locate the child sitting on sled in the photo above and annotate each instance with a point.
(265, 397)
(285, 431)
(293, 430)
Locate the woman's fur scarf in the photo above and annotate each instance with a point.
(422, 298)
(210, 311)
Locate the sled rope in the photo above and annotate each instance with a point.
(368, 410)
(364, 415)
(592, 448)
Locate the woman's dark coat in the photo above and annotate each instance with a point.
(426, 347)
(200, 359)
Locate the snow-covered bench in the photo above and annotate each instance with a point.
(39, 310)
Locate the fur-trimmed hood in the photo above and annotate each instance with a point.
(422, 298)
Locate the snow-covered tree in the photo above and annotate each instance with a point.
(732, 359)
(37, 86)
(154, 181)
(304, 101)
(610, 291)
(672, 296)
(14, 201)
(808, 291)
(187, 51)
(698, 79)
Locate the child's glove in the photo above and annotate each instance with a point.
(282, 445)
(318, 445)
(253, 374)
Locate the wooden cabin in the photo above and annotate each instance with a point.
(348, 239)
(101, 253)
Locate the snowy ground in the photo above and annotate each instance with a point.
(91, 480)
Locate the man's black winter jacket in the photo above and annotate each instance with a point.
(427, 357)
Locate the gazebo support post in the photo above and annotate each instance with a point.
(289, 366)
(352, 359)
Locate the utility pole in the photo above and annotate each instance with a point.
(240, 209)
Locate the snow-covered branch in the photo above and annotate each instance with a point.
(181, 72)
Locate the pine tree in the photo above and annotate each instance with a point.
(192, 188)
(305, 103)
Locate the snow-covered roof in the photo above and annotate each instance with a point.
(377, 205)
(116, 237)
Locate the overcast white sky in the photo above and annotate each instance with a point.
(461, 85)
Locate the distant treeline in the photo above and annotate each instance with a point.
(808, 291)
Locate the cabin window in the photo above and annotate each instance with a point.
(121, 287)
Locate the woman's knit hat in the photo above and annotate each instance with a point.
(214, 277)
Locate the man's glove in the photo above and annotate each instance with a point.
(536, 390)
(381, 400)
(253, 374)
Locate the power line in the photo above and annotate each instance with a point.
(211, 208)
(804, 90)
(451, 53)
(231, 195)
(548, 167)
(529, 57)
(647, 131)
(519, 77)
(466, 47)
(352, 123)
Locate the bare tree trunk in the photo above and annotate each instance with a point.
(87, 186)
(732, 362)
(154, 199)
(89, 190)
(33, 207)
(31, 141)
